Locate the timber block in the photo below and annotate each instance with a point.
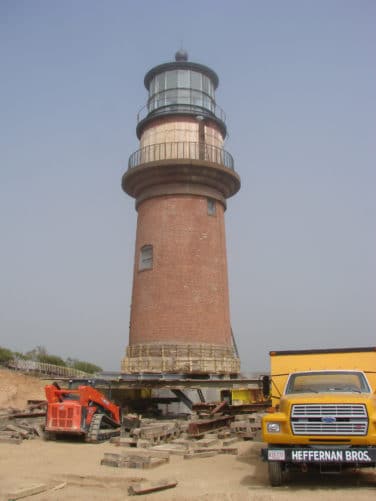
(218, 450)
(148, 487)
(148, 453)
(115, 463)
(224, 434)
(247, 435)
(127, 441)
(142, 443)
(239, 425)
(183, 442)
(206, 442)
(153, 463)
(229, 450)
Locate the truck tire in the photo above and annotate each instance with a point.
(275, 473)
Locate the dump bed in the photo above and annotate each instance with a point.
(282, 363)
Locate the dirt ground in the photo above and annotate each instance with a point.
(16, 388)
(222, 477)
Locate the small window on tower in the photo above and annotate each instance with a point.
(146, 258)
(211, 207)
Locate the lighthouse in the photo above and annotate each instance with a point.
(181, 177)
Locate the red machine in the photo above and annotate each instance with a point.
(82, 411)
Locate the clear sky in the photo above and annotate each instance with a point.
(298, 85)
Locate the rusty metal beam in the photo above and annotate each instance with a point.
(231, 409)
(201, 426)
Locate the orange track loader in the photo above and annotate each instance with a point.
(83, 411)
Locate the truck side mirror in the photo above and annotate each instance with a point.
(266, 386)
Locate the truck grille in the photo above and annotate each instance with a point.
(329, 419)
(62, 418)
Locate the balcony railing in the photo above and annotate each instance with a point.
(179, 151)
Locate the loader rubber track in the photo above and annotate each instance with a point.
(101, 428)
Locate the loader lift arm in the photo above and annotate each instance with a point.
(84, 411)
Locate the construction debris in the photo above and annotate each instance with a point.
(16, 431)
(205, 408)
(17, 425)
(137, 432)
(198, 438)
(148, 487)
(199, 427)
(205, 428)
(246, 426)
(157, 433)
(134, 460)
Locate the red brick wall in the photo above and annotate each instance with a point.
(184, 298)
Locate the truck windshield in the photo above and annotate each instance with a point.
(327, 381)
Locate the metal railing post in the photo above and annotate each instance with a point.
(181, 150)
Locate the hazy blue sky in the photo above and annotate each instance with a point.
(298, 84)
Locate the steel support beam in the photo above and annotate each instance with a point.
(183, 398)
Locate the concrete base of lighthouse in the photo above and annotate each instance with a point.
(180, 358)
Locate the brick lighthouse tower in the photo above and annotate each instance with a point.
(180, 178)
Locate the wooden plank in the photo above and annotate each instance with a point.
(230, 441)
(59, 486)
(27, 414)
(224, 434)
(218, 450)
(124, 441)
(229, 450)
(145, 453)
(27, 491)
(39, 430)
(134, 462)
(200, 455)
(148, 487)
(154, 462)
(19, 430)
(115, 463)
(175, 451)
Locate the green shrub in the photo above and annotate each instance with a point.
(85, 366)
(40, 354)
(5, 355)
(51, 359)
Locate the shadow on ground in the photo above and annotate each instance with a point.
(313, 480)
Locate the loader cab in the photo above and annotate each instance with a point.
(101, 384)
(75, 383)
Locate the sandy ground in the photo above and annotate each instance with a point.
(222, 477)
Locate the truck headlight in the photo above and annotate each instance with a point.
(273, 427)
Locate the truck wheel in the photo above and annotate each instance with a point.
(275, 473)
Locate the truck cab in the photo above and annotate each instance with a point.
(325, 420)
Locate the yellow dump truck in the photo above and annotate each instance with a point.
(325, 411)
